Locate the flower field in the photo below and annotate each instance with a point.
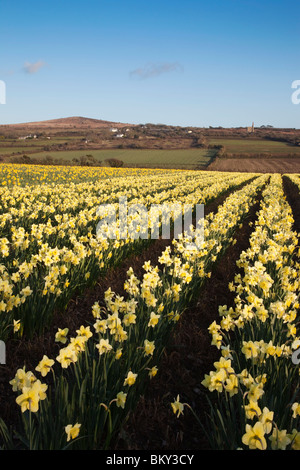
(81, 386)
(256, 377)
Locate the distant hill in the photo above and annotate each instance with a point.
(68, 123)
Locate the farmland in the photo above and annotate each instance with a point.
(256, 146)
(144, 158)
(135, 341)
(260, 165)
(88, 142)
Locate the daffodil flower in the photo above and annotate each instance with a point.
(72, 431)
(44, 365)
(177, 407)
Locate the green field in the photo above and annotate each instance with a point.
(239, 146)
(191, 158)
(16, 149)
(10, 146)
(186, 158)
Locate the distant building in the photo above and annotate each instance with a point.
(250, 130)
(30, 136)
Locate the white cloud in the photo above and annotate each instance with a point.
(34, 67)
(154, 70)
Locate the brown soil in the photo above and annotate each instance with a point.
(293, 198)
(256, 165)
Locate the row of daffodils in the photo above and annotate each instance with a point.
(295, 178)
(51, 245)
(254, 399)
(21, 175)
(80, 398)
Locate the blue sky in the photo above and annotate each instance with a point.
(189, 63)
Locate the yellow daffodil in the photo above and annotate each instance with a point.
(67, 356)
(121, 399)
(28, 400)
(252, 410)
(61, 335)
(17, 325)
(153, 371)
(149, 347)
(177, 407)
(296, 409)
(72, 431)
(130, 379)
(295, 439)
(254, 436)
(266, 418)
(279, 439)
(103, 346)
(154, 318)
(44, 365)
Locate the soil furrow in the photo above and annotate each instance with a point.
(293, 198)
